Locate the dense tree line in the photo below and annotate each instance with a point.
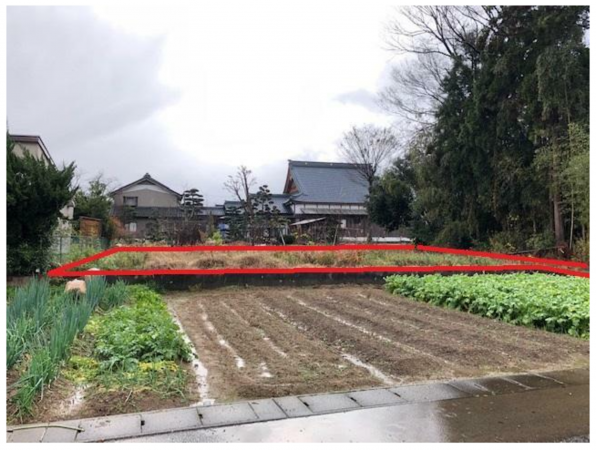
(497, 103)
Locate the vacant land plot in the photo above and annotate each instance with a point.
(280, 341)
(266, 259)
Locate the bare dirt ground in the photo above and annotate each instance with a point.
(264, 342)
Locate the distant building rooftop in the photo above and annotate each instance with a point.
(146, 179)
(32, 139)
(325, 182)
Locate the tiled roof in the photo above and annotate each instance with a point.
(279, 201)
(146, 179)
(328, 182)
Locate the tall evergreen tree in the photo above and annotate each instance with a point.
(36, 191)
(496, 164)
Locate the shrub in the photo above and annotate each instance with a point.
(35, 194)
(454, 234)
(216, 238)
(540, 241)
(505, 242)
(581, 250)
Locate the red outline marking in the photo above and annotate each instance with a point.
(541, 264)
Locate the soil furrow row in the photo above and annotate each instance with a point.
(500, 330)
(509, 342)
(405, 340)
(395, 360)
(438, 340)
(337, 338)
(271, 372)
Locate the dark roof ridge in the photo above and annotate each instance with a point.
(344, 165)
(144, 178)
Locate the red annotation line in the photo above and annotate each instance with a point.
(547, 261)
(295, 270)
(539, 264)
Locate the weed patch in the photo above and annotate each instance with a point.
(261, 259)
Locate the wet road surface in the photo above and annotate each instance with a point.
(548, 415)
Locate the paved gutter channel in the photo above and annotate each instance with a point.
(463, 392)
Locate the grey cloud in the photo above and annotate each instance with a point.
(360, 97)
(92, 92)
(75, 80)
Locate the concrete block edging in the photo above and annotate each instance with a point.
(149, 423)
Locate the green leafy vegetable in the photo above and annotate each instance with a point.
(554, 303)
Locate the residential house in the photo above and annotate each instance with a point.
(142, 202)
(146, 201)
(32, 145)
(35, 146)
(319, 194)
(320, 191)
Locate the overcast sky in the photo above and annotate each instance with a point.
(187, 94)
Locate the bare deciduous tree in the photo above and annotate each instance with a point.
(415, 92)
(448, 31)
(239, 185)
(369, 147)
(434, 36)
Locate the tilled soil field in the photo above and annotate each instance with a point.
(266, 342)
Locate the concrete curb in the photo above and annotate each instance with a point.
(143, 424)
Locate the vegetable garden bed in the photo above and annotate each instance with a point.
(553, 303)
(260, 342)
(67, 361)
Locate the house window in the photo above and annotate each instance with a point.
(132, 227)
(344, 223)
(131, 201)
